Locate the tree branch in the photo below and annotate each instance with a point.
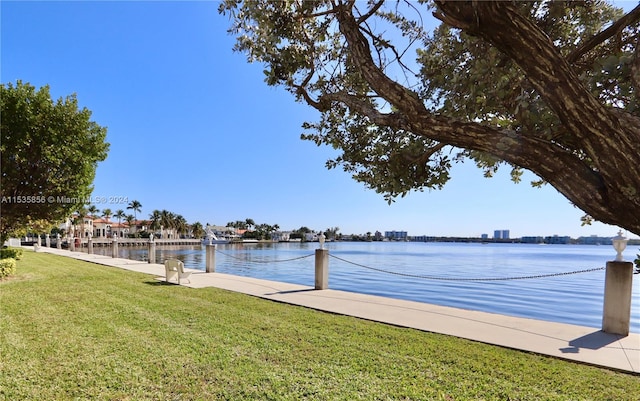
(631, 17)
(563, 169)
(373, 10)
(358, 46)
(361, 106)
(427, 155)
(593, 124)
(635, 70)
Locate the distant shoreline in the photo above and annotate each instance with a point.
(190, 241)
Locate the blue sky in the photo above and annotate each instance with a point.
(195, 130)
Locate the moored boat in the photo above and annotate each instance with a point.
(212, 239)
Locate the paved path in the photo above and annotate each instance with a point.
(566, 341)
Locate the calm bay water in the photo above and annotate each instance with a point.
(575, 299)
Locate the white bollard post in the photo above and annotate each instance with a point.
(616, 315)
(211, 258)
(58, 241)
(152, 250)
(114, 247)
(322, 269)
(47, 241)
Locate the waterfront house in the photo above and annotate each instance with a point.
(76, 226)
(227, 233)
(281, 236)
(87, 226)
(102, 228)
(311, 237)
(139, 226)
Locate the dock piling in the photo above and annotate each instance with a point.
(616, 315)
(322, 269)
(152, 250)
(114, 247)
(211, 258)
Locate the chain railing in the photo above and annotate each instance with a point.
(428, 277)
(264, 261)
(421, 276)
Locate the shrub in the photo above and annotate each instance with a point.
(7, 267)
(13, 253)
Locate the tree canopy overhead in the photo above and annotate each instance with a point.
(50, 151)
(550, 87)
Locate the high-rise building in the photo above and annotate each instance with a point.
(501, 234)
(396, 235)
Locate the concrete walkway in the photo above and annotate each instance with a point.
(566, 341)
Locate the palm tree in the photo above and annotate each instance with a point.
(155, 218)
(136, 207)
(107, 213)
(93, 211)
(119, 214)
(180, 224)
(131, 220)
(332, 232)
(250, 223)
(197, 230)
(240, 225)
(167, 219)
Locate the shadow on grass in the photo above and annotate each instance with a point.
(156, 283)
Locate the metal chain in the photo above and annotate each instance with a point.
(469, 279)
(427, 277)
(265, 261)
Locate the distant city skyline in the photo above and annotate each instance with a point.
(195, 130)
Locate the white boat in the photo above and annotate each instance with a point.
(211, 238)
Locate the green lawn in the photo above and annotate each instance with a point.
(71, 330)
